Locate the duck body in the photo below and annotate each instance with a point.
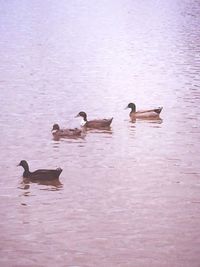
(42, 174)
(144, 114)
(98, 123)
(57, 132)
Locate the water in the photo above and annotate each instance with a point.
(127, 197)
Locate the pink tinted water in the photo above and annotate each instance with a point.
(129, 196)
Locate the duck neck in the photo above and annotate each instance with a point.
(133, 108)
(84, 120)
(26, 169)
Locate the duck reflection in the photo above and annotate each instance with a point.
(102, 130)
(70, 138)
(51, 185)
(148, 120)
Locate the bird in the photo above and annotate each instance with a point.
(98, 123)
(57, 132)
(42, 174)
(144, 114)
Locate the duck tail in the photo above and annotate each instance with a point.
(158, 110)
(59, 170)
(110, 121)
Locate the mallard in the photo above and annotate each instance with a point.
(57, 132)
(143, 114)
(98, 123)
(39, 174)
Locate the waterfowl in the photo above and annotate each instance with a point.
(99, 123)
(42, 174)
(143, 114)
(57, 132)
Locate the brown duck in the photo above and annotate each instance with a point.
(98, 123)
(143, 114)
(57, 132)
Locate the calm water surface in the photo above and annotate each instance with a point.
(127, 197)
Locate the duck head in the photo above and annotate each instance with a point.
(82, 114)
(132, 106)
(84, 117)
(55, 128)
(24, 164)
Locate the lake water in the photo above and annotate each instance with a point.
(129, 196)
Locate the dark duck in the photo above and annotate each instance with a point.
(97, 123)
(42, 174)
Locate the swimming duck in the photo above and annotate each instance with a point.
(143, 114)
(39, 174)
(57, 132)
(99, 123)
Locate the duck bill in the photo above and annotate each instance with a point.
(126, 107)
(77, 116)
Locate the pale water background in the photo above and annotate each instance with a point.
(128, 197)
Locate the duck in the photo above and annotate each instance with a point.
(144, 114)
(42, 174)
(57, 132)
(98, 123)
